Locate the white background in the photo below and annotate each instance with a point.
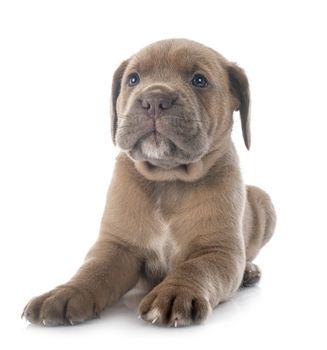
(56, 63)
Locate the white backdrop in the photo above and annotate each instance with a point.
(56, 63)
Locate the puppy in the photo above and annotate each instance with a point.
(178, 216)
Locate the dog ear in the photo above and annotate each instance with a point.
(239, 87)
(115, 91)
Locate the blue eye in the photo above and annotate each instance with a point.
(199, 81)
(133, 79)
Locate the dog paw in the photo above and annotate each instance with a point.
(65, 305)
(174, 306)
(252, 275)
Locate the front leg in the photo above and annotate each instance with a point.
(112, 266)
(209, 267)
(109, 271)
(193, 289)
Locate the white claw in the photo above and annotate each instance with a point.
(71, 322)
(44, 323)
(175, 324)
(139, 317)
(154, 320)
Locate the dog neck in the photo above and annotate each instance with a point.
(185, 172)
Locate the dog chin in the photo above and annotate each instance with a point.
(158, 151)
(155, 146)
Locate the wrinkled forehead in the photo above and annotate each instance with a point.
(176, 57)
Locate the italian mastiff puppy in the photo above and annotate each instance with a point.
(178, 218)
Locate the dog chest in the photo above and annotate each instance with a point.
(160, 253)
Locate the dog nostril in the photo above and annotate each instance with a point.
(146, 104)
(165, 104)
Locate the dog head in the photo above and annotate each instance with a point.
(172, 105)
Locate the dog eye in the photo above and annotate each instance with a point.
(133, 79)
(199, 81)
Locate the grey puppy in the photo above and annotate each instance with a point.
(178, 217)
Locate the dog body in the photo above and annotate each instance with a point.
(178, 216)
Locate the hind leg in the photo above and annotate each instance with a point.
(258, 227)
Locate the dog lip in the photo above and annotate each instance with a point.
(156, 135)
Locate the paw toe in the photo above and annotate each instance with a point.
(64, 305)
(174, 307)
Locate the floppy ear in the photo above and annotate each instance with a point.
(115, 90)
(239, 87)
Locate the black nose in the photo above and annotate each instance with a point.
(155, 103)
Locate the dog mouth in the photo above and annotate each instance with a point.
(155, 138)
(167, 142)
(156, 149)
